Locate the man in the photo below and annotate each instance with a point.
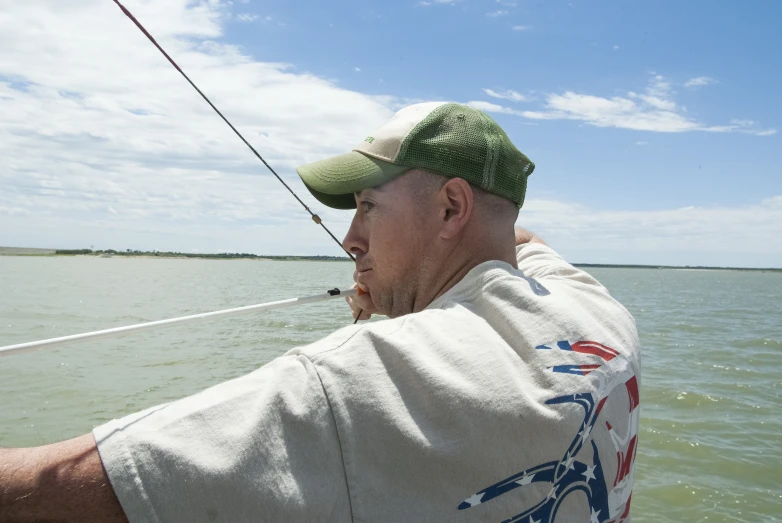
(503, 386)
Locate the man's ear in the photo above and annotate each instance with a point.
(455, 200)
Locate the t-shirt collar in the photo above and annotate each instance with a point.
(473, 280)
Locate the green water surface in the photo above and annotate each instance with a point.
(711, 418)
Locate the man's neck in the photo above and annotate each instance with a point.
(460, 261)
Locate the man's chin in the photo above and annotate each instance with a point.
(381, 302)
(390, 307)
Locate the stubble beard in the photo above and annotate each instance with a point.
(400, 297)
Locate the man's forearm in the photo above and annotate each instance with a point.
(56, 483)
(526, 236)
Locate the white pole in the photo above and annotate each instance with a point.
(117, 331)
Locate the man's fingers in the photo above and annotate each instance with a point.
(361, 303)
(364, 315)
(364, 302)
(366, 312)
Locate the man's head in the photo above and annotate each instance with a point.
(436, 191)
(411, 235)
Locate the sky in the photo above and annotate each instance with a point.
(654, 125)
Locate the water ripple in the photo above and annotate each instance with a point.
(710, 391)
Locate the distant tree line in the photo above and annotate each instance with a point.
(214, 256)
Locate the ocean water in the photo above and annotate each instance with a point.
(711, 418)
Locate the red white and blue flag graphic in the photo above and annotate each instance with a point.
(580, 469)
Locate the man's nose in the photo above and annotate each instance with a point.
(354, 241)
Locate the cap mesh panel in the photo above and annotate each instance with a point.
(458, 141)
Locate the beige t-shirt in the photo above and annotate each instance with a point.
(512, 397)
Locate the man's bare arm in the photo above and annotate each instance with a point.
(525, 236)
(59, 483)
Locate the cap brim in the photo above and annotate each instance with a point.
(333, 181)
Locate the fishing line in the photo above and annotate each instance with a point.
(315, 217)
(119, 331)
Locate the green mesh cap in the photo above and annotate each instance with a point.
(450, 139)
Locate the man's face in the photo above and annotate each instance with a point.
(389, 236)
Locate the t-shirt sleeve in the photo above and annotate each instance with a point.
(263, 447)
(541, 262)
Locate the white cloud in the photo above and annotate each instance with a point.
(107, 143)
(247, 17)
(513, 96)
(108, 146)
(357, 69)
(489, 107)
(641, 143)
(749, 235)
(653, 110)
(700, 81)
(657, 95)
(437, 2)
(496, 14)
(616, 47)
(522, 27)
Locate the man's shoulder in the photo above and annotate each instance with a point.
(350, 338)
(354, 345)
(493, 300)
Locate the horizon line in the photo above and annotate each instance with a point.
(38, 251)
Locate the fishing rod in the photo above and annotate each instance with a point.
(315, 217)
(119, 331)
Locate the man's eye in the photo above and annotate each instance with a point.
(367, 206)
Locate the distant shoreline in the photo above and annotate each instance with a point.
(22, 251)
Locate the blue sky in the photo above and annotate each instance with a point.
(454, 50)
(653, 124)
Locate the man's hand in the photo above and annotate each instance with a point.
(61, 482)
(525, 236)
(362, 302)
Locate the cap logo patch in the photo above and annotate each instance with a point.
(369, 139)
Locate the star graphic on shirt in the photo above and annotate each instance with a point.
(589, 473)
(593, 517)
(569, 462)
(552, 493)
(533, 520)
(526, 480)
(475, 499)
